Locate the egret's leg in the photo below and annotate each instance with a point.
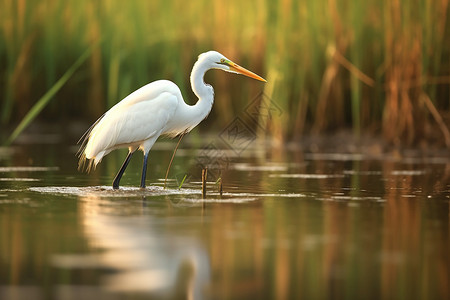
(122, 169)
(144, 170)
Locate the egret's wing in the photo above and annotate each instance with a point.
(146, 93)
(133, 124)
(132, 121)
(149, 92)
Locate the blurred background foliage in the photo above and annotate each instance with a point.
(378, 67)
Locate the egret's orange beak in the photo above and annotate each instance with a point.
(238, 69)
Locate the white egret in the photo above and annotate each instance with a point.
(155, 109)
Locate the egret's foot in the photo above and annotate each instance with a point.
(115, 186)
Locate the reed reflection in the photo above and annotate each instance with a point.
(380, 230)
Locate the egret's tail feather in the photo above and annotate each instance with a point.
(85, 164)
(89, 163)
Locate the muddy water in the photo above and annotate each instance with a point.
(288, 225)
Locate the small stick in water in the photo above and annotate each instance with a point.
(219, 183)
(204, 176)
(220, 186)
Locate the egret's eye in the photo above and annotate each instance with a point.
(222, 60)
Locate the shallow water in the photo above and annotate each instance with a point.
(288, 225)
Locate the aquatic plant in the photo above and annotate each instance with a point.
(373, 66)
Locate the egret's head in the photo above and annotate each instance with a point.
(218, 61)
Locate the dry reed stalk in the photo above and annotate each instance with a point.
(96, 90)
(220, 186)
(438, 118)
(330, 75)
(403, 114)
(204, 178)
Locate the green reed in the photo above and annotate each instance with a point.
(329, 63)
(45, 99)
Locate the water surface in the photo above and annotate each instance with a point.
(290, 224)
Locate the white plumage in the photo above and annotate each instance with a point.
(134, 121)
(155, 109)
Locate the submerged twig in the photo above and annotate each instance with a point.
(219, 183)
(171, 160)
(204, 177)
(220, 186)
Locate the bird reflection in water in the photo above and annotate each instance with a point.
(142, 257)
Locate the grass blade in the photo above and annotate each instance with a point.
(182, 181)
(45, 99)
(171, 160)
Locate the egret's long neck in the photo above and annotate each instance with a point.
(203, 91)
